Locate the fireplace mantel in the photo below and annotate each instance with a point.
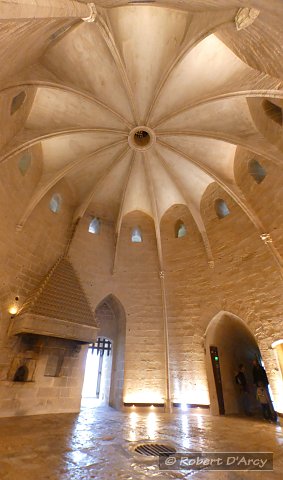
(29, 323)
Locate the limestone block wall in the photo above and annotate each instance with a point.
(270, 189)
(266, 199)
(187, 280)
(136, 284)
(56, 383)
(25, 258)
(245, 281)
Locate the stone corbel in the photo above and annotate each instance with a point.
(93, 13)
(266, 238)
(246, 17)
(211, 264)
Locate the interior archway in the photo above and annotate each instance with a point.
(106, 356)
(229, 343)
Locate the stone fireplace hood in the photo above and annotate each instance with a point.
(58, 308)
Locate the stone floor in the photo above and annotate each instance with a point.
(99, 443)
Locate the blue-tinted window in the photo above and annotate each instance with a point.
(257, 171)
(181, 230)
(136, 235)
(221, 208)
(94, 226)
(55, 203)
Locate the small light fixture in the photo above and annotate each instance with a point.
(13, 310)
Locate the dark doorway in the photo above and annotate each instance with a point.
(229, 343)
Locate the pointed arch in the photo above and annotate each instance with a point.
(229, 343)
(113, 327)
(115, 304)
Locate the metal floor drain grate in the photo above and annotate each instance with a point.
(154, 449)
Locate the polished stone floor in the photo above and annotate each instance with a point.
(99, 444)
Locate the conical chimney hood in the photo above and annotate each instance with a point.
(58, 308)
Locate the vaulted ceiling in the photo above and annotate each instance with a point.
(145, 106)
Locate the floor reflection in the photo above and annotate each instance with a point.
(97, 444)
(133, 426)
(151, 425)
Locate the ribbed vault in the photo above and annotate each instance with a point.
(186, 75)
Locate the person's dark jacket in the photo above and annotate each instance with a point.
(259, 375)
(241, 380)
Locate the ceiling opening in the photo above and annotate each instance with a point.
(141, 138)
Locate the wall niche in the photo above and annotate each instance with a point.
(23, 364)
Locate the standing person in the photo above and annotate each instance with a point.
(241, 380)
(261, 381)
(263, 399)
(259, 374)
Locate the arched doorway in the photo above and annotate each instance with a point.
(97, 378)
(228, 343)
(104, 373)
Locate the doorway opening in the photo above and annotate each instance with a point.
(228, 344)
(97, 379)
(104, 371)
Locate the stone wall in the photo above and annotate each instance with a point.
(136, 285)
(25, 258)
(245, 282)
(55, 383)
(187, 282)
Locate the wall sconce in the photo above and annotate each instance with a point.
(14, 308)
